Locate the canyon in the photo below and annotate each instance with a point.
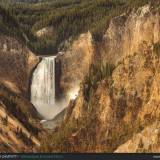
(111, 89)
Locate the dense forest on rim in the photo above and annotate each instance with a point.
(68, 18)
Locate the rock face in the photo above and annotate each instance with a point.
(16, 64)
(18, 118)
(128, 34)
(75, 63)
(146, 141)
(47, 31)
(128, 100)
(14, 136)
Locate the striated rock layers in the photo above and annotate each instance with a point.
(19, 126)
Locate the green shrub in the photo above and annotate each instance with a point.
(156, 49)
(96, 73)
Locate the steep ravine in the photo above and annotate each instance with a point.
(17, 66)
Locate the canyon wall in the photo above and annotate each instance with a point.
(16, 64)
(128, 34)
(127, 101)
(75, 63)
(19, 126)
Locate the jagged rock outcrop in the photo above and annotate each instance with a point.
(47, 31)
(128, 34)
(127, 101)
(147, 141)
(75, 63)
(16, 64)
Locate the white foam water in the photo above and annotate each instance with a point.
(43, 88)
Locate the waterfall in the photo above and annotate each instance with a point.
(43, 88)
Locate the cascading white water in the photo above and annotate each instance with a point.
(43, 88)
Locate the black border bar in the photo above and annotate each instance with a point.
(79, 156)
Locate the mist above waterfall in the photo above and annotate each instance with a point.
(73, 93)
